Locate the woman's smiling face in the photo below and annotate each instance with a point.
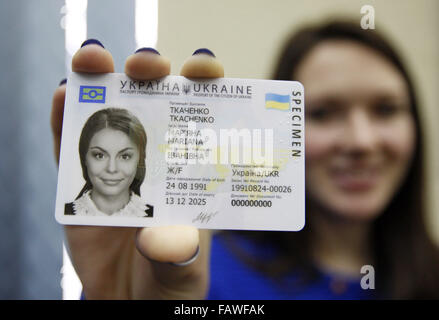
(112, 159)
(360, 133)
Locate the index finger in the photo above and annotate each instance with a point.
(92, 57)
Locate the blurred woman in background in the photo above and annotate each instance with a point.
(364, 179)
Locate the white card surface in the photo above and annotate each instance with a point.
(219, 154)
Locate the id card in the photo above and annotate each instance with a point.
(215, 154)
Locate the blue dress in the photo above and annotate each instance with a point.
(232, 279)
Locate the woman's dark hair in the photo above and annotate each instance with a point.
(117, 119)
(406, 260)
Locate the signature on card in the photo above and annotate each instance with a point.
(204, 217)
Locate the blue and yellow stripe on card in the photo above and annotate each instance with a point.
(277, 101)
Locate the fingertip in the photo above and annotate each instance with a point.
(147, 64)
(92, 57)
(202, 64)
(168, 244)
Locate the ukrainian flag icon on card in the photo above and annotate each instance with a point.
(277, 101)
(93, 94)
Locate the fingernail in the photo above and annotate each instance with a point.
(147, 49)
(63, 81)
(92, 41)
(203, 50)
(187, 262)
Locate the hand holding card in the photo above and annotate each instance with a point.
(111, 262)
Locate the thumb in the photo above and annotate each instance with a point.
(167, 248)
(168, 244)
